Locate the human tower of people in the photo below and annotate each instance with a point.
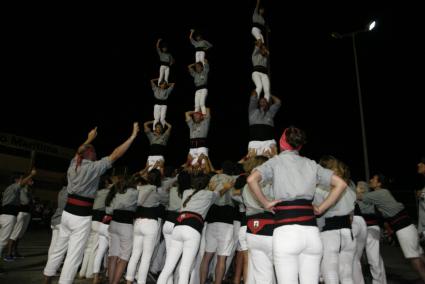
(277, 217)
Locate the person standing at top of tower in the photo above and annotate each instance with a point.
(201, 45)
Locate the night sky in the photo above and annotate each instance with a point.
(71, 68)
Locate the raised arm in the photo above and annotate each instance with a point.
(188, 115)
(146, 127)
(191, 37)
(120, 150)
(28, 178)
(91, 136)
(208, 44)
(276, 105)
(158, 42)
(257, 5)
(253, 101)
(154, 83)
(169, 126)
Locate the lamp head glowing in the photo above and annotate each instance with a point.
(372, 25)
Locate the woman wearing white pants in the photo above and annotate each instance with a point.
(260, 72)
(339, 245)
(372, 242)
(166, 60)
(359, 229)
(199, 72)
(395, 214)
(161, 92)
(83, 178)
(145, 228)
(297, 248)
(201, 46)
(260, 226)
(259, 24)
(186, 234)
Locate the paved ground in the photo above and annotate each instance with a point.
(34, 247)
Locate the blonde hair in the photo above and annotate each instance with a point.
(253, 162)
(337, 166)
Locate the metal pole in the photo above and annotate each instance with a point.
(359, 93)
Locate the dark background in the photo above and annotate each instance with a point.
(69, 68)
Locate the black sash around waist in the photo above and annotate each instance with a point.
(200, 87)
(98, 215)
(198, 142)
(371, 219)
(159, 102)
(337, 222)
(123, 216)
(260, 224)
(399, 221)
(200, 48)
(261, 132)
(298, 212)
(157, 150)
(165, 63)
(261, 69)
(171, 216)
(147, 212)
(25, 208)
(10, 209)
(79, 205)
(191, 219)
(220, 214)
(258, 25)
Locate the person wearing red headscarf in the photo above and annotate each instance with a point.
(297, 247)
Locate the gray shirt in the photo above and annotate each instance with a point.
(124, 201)
(200, 202)
(164, 190)
(200, 78)
(258, 59)
(85, 180)
(161, 94)
(344, 205)
(175, 201)
(99, 201)
(25, 196)
(294, 177)
(252, 205)
(11, 195)
(199, 130)
(148, 196)
(257, 116)
(201, 44)
(366, 208)
(158, 139)
(165, 56)
(220, 180)
(257, 18)
(384, 201)
(62, 198)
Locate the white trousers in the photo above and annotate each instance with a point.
(374, 258)
(103, 245)
(256, 32)
(261, 147)
(185, 243)
(7, 222)
(22, 221)
(260, 253)
(297, 251)
(200, 98)
(409, 241)
(196, 152)
(359, 229)
(195, 275)
(55, 234)
(200, 56)
(164, 73)
(339, 248)
(159, 114)
(73, 233)
(167, 231)
(262, 83)
(144, 239)
(86, 269)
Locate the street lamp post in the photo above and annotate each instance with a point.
(370, 27)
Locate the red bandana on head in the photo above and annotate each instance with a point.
(284, 145)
